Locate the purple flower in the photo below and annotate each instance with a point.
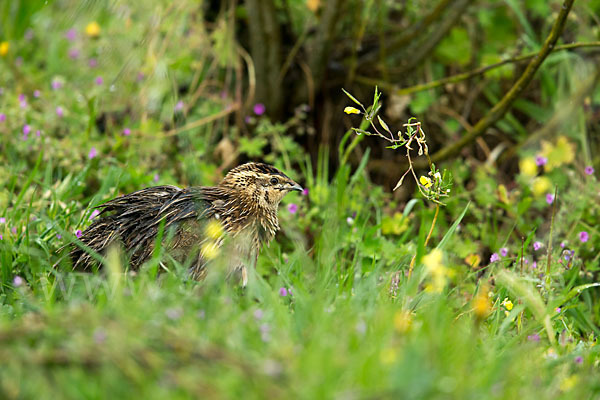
(1, 237)
(504, 252)
(22, 100)
(74, 53)
(93, 63)
(2, 117)
(2, 220)
(179, 106)
(350, 221)
(259, 109)
(99, 336)
(292, 208)
(584, 236)
(495, 257)
(17, 281)
(22, 97)
(305, 192)
(99, 81)
(578, 360)
(38, 133)
(540, 161)
(14, 230)
(26, 130)
(58, 236)
(156, 177)
(93, 153)
(94, 214)
(36, 93)
(174, 313)
(537, 245)
(248, 119)
(589, 170)
(534, 338)
(59, 111)
(558, 310)
(534, 265)
(78, 233)
(264, 332)
(71, 34)
(549, 198)
(283, 292)
(126, 132)
(258, 314)
(563, 244)
(56, 84)
(140, 76)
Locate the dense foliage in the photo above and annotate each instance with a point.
(477, 278)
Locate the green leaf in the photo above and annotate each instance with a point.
(383, 124)
(450, 232)
(353, 98)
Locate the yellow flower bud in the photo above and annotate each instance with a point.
(351, 110)
(92, 29)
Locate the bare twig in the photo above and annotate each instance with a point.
(469, 74)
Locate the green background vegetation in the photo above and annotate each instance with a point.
(101, 98)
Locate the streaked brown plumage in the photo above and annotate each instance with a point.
(244, 206)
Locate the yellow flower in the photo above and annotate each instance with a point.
(528, 167)
(569, 383)
(313, 5)
(507, 304)
(214, 229)
(92, 29)
(402, 321)
(481, 302)
(388, 356)
(473, 260)
(563, 152)
(503, 194)
(438, 273)
(425, 181)
(210, 250)
(4, 47)
(541, 186)
(395, 224)
(351, 110)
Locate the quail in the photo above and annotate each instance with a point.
(241, 209)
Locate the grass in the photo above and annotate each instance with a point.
(460, 326)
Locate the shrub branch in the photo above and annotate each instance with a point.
(515, 91)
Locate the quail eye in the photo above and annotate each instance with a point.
(274, 181)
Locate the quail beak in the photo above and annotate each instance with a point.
(295, 186)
